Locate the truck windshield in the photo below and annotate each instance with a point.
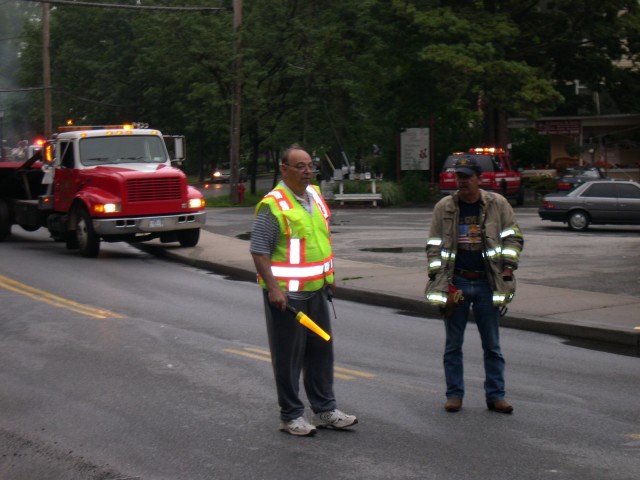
(122, 149)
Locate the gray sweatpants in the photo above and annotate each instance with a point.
(295, 350)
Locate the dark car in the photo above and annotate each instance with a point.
(573, 177)
(598, 202)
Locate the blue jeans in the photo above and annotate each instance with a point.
(479, 296)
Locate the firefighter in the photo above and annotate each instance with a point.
(473, 248)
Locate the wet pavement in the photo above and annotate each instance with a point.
(584, 286)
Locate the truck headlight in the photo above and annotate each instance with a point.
(106, 207)
(196, 203)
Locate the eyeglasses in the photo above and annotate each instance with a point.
(302, 166)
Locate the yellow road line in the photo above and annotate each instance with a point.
(258, 350)
(46, 297)
(247, 354)
(357, 373)
(265, 355)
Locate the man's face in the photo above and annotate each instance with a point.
(298, 169)
(467, 184)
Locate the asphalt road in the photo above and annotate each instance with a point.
(129, 367)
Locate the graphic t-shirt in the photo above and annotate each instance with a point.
(469, 256)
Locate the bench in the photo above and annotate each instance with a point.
(358, 197)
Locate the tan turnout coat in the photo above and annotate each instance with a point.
(502, 245)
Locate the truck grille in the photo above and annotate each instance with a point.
(149, 189)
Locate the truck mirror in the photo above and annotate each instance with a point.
(178, 149)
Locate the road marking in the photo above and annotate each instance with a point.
(265, 356)
(46, 297)
(247, 354)
(259, 350)
(357, 373)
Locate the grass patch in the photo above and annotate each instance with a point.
(224, 201)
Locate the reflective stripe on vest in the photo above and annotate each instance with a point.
(309, 272)
(319, 201)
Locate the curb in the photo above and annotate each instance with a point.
(604, 337)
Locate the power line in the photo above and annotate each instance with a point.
(6, 39)
(60, 91)
(26, 89)
(131, 7)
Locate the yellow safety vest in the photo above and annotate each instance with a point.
(303, 258)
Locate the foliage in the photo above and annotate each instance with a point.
(529, 150)
(415, 189)
(15, 124)
(412, 189)
(541, 185)
(336, 76)
(224, 201)
(392, 193)
(354, 186)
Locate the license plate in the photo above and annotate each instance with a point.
(156, 223)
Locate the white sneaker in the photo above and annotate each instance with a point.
(298, 426)
(334, 419)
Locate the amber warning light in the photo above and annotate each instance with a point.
(77, 128)
(486, 150)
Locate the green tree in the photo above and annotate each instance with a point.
(13, 16)
(337, 76)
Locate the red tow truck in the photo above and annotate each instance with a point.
(497, 175)
(111, 183)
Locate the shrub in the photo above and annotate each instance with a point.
(541, 184)
(391, 193)
(415, 189)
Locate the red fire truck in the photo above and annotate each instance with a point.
(497, 173)
(111, 183)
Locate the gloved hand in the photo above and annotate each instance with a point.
(454, 299)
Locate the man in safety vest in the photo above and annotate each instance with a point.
(291, 249)
(473, 248)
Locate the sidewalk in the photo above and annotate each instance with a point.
(601, 317)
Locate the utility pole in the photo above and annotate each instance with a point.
(234, 154)
(46, 71)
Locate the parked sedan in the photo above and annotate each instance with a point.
(598, 202)
(573, 177)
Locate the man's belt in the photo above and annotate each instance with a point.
(470, 274)
(470, 247)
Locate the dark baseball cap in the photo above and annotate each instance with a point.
(467, 166)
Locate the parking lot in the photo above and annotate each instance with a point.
(602, 259)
